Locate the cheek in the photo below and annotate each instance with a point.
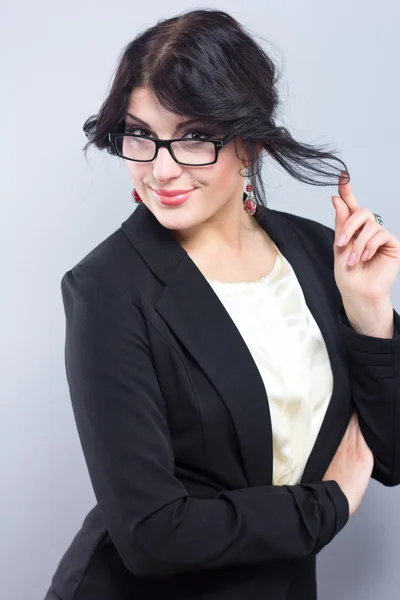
(137, 172)
(228, 171)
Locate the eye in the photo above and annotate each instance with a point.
(204, 134)
(140, 129)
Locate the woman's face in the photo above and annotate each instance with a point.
(218, 187)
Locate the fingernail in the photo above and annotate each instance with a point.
(352, 259)
(365, 255)
(342, 239)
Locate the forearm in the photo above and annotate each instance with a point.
(240, 527)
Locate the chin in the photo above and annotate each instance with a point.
(178, 222)
(167, 218)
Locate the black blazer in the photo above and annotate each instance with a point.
(175, 427)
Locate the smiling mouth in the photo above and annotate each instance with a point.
(174, 200)
(172, 193)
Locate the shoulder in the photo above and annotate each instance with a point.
(316, 238)
(109, 269)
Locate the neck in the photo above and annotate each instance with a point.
(229, 230)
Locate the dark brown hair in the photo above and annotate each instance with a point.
(203, 64)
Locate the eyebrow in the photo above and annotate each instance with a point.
(181, 125)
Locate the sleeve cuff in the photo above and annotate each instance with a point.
(341, 503)
(334, 510)
(369, 344)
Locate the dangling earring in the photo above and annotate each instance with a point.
(249, 203)
(136, 196)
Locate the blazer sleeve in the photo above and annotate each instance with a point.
(121, 418)
(375, 382)
(374, 365)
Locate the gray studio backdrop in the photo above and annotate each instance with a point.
(340, 85)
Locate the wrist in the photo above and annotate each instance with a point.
(371, 318)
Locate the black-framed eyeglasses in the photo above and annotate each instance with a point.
(143, 148)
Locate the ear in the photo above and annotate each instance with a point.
(243, 154)
(246, 155)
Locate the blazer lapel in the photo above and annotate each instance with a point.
(199, 320)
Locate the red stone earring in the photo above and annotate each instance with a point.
(249, 203)
(136, 196)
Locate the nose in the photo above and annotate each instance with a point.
(165, 167)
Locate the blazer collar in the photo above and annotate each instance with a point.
(194, 313)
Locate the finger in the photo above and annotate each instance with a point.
(353, 224)
(382, 237)
(346, 192)
(362, 243)
(341, 215)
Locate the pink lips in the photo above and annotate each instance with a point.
(174, 200)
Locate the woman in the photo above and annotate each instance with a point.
(234, 381)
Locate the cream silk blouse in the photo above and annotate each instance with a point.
(287, 346)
